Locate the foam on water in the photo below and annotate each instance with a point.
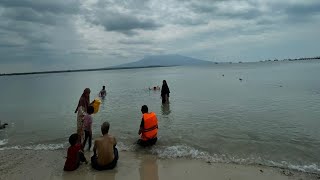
(35, 147)
(180, 151)
(3, 142)
(184, 151)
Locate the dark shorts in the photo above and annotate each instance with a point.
(113, 164)
(149, 142)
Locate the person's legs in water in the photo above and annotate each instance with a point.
(152, 141)
(86, 136)
(90, 140)
(149, 142)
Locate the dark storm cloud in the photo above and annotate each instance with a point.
(124, 23)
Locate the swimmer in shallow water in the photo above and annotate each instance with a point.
(103, 92)
(155, 88)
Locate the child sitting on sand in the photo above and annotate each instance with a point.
(75, 154)
(87, 126)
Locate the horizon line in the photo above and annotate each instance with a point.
(140, 67)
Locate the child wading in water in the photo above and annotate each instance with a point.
(75, 154)
(87, 126)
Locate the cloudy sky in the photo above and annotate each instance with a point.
(38, 35)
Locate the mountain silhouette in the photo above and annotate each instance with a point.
(165, 60)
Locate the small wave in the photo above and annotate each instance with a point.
(183, 151)
(304, 168)
(3, 142)
(35, 147)
(122, 147)
(179, 151)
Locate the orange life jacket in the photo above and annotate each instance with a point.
(150, 128)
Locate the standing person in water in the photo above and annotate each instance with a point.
(103, 92)
(148, 128)
(81, 109)
(165, 92)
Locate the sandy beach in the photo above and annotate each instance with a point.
(31, 164)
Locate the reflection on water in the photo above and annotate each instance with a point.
(149, 168)
(110, 175)
(95, 175)
(165, 109)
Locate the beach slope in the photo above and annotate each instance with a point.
(31, 164)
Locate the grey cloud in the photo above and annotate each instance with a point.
(9, 45)
(302, 13)
(212, 10)
(61, 31)
(187, 21)
(55, 6)
(199, 7)
(93, 49)
(124, 23)
(27, 27)
(303, 9)
(293, 11)
(135, 41)
(30, 15)
(26, 31)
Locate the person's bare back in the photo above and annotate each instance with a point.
(104, 147)
(105, 152)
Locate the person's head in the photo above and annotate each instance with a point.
(73, 139)
(154, 88)
(86, 92)
(103, 87)
(144, 109)
(164, 82)
(90, 110)
(105, 128)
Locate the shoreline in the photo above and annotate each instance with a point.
(32, 164)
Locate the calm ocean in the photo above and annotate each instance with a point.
(271, 117)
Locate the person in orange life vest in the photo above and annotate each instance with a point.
(148, 128)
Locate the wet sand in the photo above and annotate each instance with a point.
(31, 164)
